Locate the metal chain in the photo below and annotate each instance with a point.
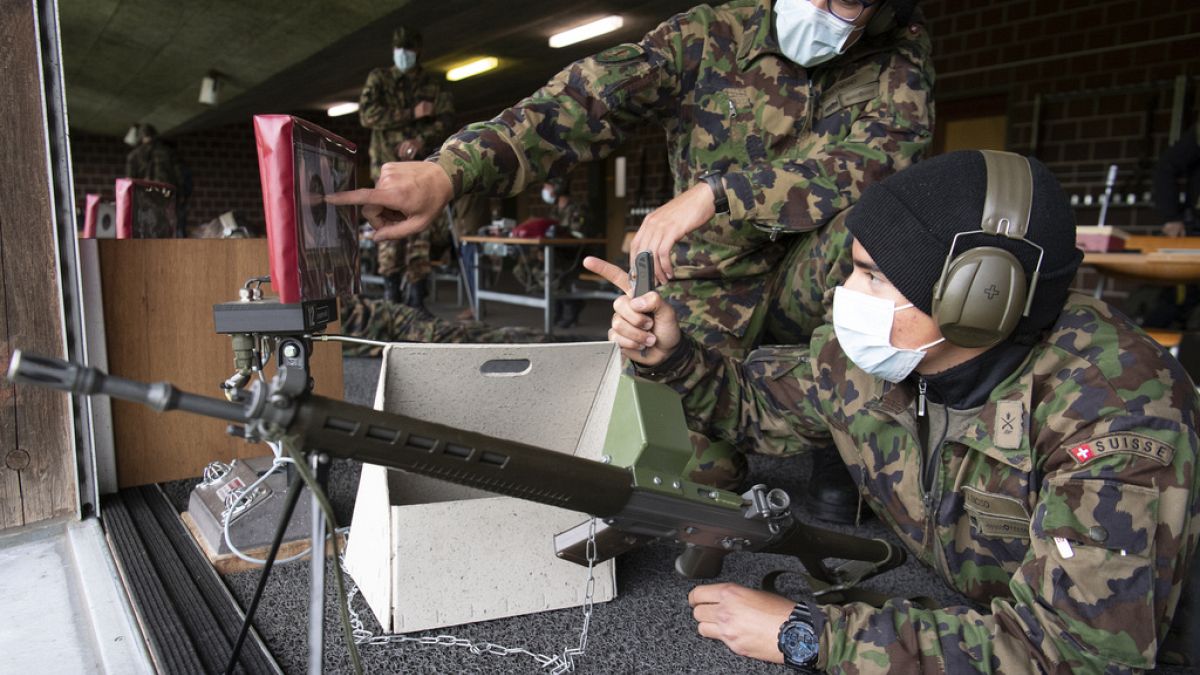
(561, 663)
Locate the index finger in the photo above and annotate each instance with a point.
(611, 273)
(706, 593)
(361, 196)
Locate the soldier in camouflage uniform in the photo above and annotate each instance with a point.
(1050, 478)
(408, 115)
(387, 321)
(789, 147)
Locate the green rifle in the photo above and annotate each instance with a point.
(638, 494)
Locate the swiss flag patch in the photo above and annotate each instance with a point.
(1082, 453)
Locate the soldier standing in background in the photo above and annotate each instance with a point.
(409, 115)
(1043, 464)
(778, 114)
(153, 159)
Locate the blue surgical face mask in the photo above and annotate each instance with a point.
(807, 35)
(404, 58)
(863, 325)
(548, 195)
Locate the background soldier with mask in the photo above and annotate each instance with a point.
(1044, 463)
(778, 114)
(409, 115)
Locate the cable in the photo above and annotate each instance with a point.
(248, 493)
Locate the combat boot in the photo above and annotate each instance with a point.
(832, 495)
(569, 315)
(414, 294)
(392, 288)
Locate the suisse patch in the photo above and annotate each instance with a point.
(620, 53)
(1131, 444)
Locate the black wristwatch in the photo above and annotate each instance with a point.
(798, 640)
(720, 199)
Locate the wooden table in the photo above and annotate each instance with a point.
(546, 302)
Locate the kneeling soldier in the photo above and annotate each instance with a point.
(1031, 445)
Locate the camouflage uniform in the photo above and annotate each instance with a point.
(153, 161)
(394, 322)
(386, 108)
(795, 146)
(1091, 441)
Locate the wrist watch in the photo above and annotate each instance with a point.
(720, 199)
(798, 640)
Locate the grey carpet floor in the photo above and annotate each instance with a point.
(647, 628)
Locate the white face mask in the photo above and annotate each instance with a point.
(807, 35)
(863, 324)
(404, 58)
(548, 195)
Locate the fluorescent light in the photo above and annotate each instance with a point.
(481, 65)
(339, 109)
(587, 31)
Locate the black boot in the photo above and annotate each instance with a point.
(392, 286)
(832, 495)
(414, 294)
(570, 313)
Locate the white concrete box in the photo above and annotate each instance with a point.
(427, 553)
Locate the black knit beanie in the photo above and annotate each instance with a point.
(907, 222)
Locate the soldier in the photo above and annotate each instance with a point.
(1043, 462)
(777, 113)
(408, 115)
(153, 159)
(572, 222)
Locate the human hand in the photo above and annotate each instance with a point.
(405, 199)
(633, 331)
(410, 149)
(669, 223)
(422, 109)
(745, 619)
(1174, 229)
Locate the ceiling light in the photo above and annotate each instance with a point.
(481, 65)
(587, 31)
(339, 109)
(210, 89)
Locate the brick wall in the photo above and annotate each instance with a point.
(1105, 73)
(223, 161)
(1104, 70)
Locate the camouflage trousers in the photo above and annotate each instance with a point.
(413, 256)
(385, 321)
(784, 306)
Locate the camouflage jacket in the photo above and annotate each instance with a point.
(1065, 505)
(795, 146)
(154, 161)
(386, 108)
(571, 220)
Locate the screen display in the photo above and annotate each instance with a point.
(327, 235)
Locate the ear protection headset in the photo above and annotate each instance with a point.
(981, 295)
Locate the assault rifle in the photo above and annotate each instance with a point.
(635, 504)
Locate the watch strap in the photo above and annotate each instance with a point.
(720, 198)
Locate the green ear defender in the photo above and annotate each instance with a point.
(981, 295)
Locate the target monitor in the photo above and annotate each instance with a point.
(313, 245)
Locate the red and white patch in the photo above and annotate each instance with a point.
(1082, 453)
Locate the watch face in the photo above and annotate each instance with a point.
(799, 644)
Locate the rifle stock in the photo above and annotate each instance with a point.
(637, 498)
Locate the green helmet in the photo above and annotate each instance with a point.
(406, 38)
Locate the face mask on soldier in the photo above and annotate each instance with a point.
(863, 325)
(548, 195)
(807, 35)
(404, 58)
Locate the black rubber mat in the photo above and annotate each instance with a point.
(189, 617)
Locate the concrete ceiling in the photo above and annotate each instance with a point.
(130, 61)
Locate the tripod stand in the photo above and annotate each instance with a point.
(319, 463)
